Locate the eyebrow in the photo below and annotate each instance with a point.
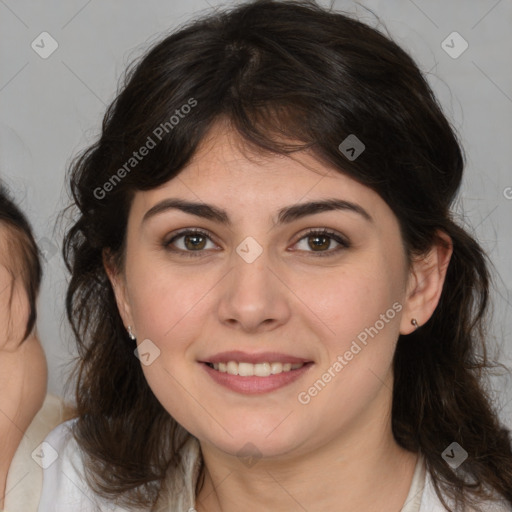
(285, 215)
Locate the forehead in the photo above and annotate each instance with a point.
(225, 171)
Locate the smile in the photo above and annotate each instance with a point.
(259, 370)
(255, 378)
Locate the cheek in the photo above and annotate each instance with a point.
(361, 310)
(163, 302)
(351, 301)
(359, 356)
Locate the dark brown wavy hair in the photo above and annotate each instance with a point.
(24, 257)
(287, 75)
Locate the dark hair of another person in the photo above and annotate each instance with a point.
(287, 76)
(24, 262)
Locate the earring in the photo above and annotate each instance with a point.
(130, 333)
(415, 323)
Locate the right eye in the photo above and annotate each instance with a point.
(194, 241)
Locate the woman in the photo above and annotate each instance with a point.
(273, 306)
(27, 414)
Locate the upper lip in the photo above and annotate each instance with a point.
(262, 357)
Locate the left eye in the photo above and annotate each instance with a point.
(321, 239)
(194, 241)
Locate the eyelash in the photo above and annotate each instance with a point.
(344, 244)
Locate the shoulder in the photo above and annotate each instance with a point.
(431, 503)
(62, 466)
(64, 485)
(25, 477)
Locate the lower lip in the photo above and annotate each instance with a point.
(256, 385)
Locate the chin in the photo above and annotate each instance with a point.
(262, 439)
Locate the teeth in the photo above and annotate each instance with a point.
(259, 369)
(232, 368)
(245, 369)
(262, 369)
(276, 368)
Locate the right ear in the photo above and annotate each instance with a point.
(117, 280)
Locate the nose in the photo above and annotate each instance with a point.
(253, 297)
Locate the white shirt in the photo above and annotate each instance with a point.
(64, 487)
(25, 476)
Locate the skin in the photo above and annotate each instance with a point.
(337, 452)
(23, 369)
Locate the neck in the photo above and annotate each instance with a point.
(362, 469)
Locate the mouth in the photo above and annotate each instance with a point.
(245, 369)
(255, 373)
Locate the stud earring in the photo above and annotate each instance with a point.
(415, 323)
(130, 333)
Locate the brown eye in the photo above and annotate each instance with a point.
(193, 241)
(319, 241)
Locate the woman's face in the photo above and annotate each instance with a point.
(255, 293)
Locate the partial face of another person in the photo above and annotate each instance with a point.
(23, 370)
(261, 286)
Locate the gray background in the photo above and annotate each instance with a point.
(51, 108)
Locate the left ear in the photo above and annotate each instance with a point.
(425, 284)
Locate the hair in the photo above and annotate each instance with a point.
(22, 259)
(286, 76)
